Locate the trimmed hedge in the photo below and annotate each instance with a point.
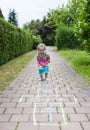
(13, 41)
(65, 38)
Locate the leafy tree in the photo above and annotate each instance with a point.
(12, 18)
(47, 31)
(86, 27)
(1, 15)
(74, 7)
(82, 25)
(58, 16)
(65, 38)
(33, 25)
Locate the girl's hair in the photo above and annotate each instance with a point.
(41, 45)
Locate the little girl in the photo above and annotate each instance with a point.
(43, 60)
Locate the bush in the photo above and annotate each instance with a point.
(86, 45)
(65, 38)
(49, 40)
(13, 41)
(36, 39)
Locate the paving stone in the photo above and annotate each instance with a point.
(48, 110)
(86, 125)
(88, 116)
(78, 117)
(20, 117)
(81, 99)
(57, 117)
(66, 110)
(87, 99)
(14, 95)
(71, 104)
(60, 103)
(27, 126)
(6, 105)
(6, 100)
(2, 110)
(13, 110)
(48, 127)
(18, 99)
(26, 104)
(3, 95)
(71, 126)
(39, 117)
(33, 100)
(85, 104)
(4, 117)
(82, 109)
(8, 125)
(30, 110)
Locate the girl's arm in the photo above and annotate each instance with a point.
(38, 61)
(48, 58)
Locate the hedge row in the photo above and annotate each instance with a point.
(13, 41)
(65, 38)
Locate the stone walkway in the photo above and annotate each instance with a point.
(61, 103)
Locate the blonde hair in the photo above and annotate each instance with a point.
(41, 45)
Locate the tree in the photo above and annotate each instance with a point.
(86, 27)
(1, 15)
(47, 31)
(74, 8)
(32, 25)
(12, 18)
(82, 25)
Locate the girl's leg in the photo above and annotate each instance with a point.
(41, 76)
(46, 75)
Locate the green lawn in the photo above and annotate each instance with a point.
(80, 62)
(11, 69)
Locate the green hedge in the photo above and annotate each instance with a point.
(13, 41)
(65, 38)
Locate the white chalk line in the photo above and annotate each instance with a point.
(44, 124)
(21, 98)
(51, 124)
(50, 114)
(49, 108)
(75, 99)
(63, 113)
(67, 87)
(34, 117)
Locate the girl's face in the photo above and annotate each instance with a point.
(41, 50)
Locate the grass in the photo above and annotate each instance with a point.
(80, 62)
(68, 118)
(11, 69)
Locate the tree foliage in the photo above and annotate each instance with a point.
(1, 14)
(13, 41)
(75, 16)
(12, 18)
(33, 26)
(65, 38)
(82, 25)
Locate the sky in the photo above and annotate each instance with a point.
(29, 9)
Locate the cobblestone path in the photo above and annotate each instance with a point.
(60, 103)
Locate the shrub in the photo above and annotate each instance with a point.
(36, 39)
(13, 41)
(86, 45)
(65, 38)
(49, 40)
